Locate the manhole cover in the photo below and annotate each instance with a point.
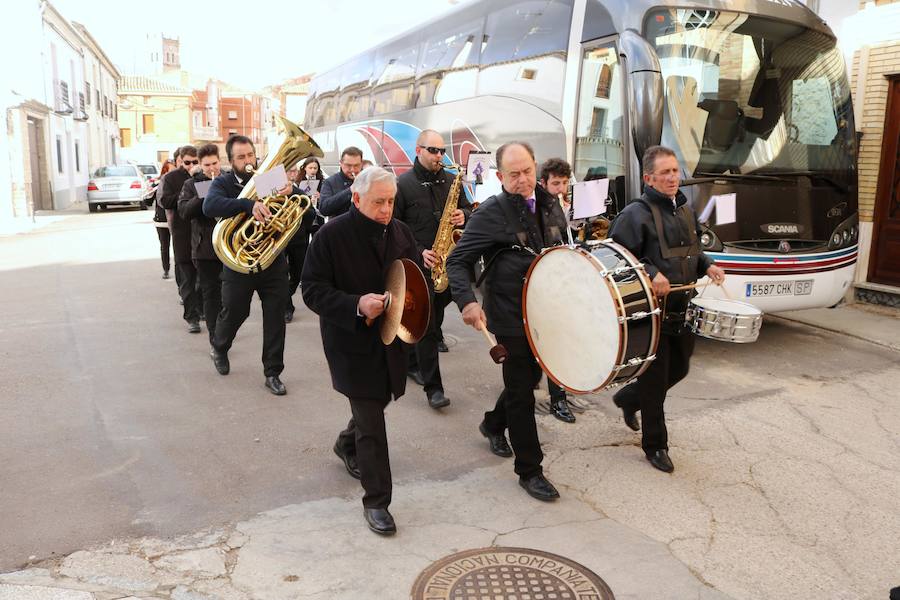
(508, 574)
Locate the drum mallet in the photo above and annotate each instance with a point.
(498, 351)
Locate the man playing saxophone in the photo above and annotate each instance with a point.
(421, 198)
(270, 284)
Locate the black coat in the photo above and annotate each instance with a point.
(501, 222)
(335, 195)
(344, 262)
(635, 229)
(420, 200)
(190, 208)
(172, 184)
(310, 224)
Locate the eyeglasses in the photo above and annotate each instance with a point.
(190, 162)
(434, 150)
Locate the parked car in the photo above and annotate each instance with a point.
(151, 172)
(116, 185)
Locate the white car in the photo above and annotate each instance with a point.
(116, 184)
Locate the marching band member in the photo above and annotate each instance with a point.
(185, 272)
(511, 227)
(343, 282)
(336, 195)
(237, 288)
(555, 176)
(206, 263)
(661, 229)
(421, 195)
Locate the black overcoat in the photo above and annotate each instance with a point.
(348, 258)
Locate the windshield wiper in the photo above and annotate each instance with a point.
(816, 175)
(738, 176)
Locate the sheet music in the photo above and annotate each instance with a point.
(202, 188)
(589, 198)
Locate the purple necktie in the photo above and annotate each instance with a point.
(530, 202)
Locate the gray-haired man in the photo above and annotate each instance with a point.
(343, 282)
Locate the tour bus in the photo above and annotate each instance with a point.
(751, 94)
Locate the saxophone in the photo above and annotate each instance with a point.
(447, 235)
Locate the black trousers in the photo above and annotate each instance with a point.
(165, 242)
(648, 392)
(556, 393)
(209, 274)
(515, 406)
(295, 254)
(188, 289)
(366, 439)
(426, 350)
(271, 286)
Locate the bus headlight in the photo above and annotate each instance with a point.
(709, 240)
(844, 234)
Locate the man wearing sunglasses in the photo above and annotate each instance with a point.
(185, 272)
(421, 195)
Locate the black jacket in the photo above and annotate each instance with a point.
(310, 223)
(190, 208)
(335, 195)
(501, 222)
(420, 200)
(181, 230)
(348, 258)
(635, 229)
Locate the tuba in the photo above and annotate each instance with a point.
(246, 246)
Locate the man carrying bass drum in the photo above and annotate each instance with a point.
(511, 227)
(661, 229)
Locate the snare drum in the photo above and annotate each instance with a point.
(590, 316)
(724, 320)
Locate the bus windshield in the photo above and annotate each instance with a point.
(746, 94)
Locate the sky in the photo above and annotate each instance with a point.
(254, 43)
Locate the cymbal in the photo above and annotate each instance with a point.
(395, 288)
(416, 305)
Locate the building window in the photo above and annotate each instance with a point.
(77, 157)
(232, 132)
(59, 160)
(87, 93)
(125, 136)
(149, 124)
(232, 115)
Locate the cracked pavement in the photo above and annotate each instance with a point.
(120, 483)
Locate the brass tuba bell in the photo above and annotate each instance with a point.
(246, 246)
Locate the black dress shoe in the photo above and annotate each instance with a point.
(275, 386)
(438, 399)
(416, 376)
(442, 346)
(560, 410)
(660, 459)
(349, 461)
(288, 316)
(631, 420)
(497, 442)
(220, 359)
(193, 326)
(539, 487)
(380, 521)
(165, 274)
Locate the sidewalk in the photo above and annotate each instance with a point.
(322, 550)
(42, 218)
(868, 322)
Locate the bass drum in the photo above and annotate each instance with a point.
(591, 318)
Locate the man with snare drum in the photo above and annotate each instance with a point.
(662, 231)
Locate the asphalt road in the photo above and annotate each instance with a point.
(114, 424)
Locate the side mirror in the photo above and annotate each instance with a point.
(645, 90)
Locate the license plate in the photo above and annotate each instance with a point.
(112, 186)
(800, 287)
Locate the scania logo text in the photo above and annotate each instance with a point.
(782, 228)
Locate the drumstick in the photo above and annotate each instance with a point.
(689, 286)
(498, 351)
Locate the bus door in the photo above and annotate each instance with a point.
(601, 123)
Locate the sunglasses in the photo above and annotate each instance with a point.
(434, 150)
(191, 162)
